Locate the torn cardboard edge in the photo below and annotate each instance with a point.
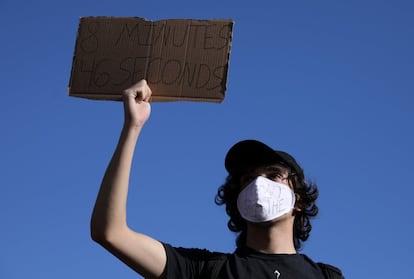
(181, 59)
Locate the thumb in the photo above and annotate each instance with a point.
(139, 91)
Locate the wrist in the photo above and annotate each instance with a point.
(130, 129)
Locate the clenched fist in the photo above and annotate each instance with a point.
(136, 104)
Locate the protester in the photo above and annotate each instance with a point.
(266, 195)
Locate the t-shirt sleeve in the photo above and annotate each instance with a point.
(186, 263)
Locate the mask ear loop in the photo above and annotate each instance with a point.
(296, 208)
(292, 179)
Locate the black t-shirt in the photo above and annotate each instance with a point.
(244, 263)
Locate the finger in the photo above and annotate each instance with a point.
(148, 94)
(130, 93)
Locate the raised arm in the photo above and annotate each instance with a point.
(109, 223)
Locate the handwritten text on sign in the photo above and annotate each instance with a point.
(181, 59)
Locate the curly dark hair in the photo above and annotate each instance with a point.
(306, 193)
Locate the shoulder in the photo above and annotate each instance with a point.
(330, 271)
(193, 262)
(195, 253)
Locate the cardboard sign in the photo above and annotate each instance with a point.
(181, 59)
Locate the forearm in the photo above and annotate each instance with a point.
(109, 214)
(109, 218)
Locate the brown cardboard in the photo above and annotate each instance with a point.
(181, 59)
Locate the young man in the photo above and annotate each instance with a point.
(266, 197)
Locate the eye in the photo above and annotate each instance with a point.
(274, 176)
(278, 177)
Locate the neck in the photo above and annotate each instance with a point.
(274, 237)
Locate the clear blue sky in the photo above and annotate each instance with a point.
(329, 81)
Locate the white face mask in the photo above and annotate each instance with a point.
(264, 200)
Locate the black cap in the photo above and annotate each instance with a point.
(248, 154)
